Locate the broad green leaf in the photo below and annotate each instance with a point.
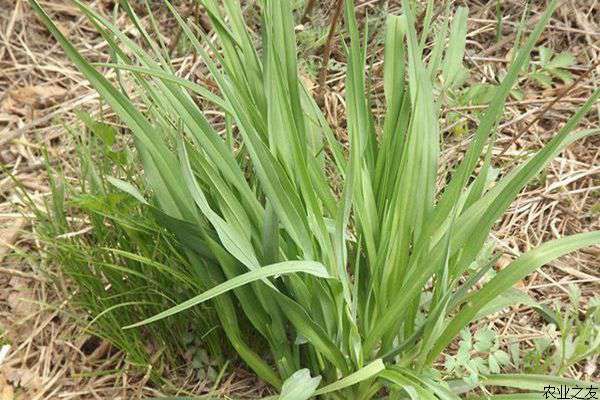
(299, 386)
(562, 60)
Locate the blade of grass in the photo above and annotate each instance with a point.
(286, 267)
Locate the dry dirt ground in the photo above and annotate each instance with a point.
(50, 357)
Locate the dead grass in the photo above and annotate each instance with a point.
(52, 358)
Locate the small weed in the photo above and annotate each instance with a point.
(571, 340)
(477, 355)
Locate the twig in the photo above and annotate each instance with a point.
(327, 51)
(20, 274)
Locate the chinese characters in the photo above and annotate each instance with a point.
(564, 392)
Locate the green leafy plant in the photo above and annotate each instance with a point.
(324, 252)
(552, 66)
(477, 355)
(568, 341)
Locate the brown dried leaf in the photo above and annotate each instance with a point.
(23, 377)
(21, 299)
(18, 302)
(21, 100)
(6, 390)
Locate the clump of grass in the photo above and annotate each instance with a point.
(330, 278)
(122, 262)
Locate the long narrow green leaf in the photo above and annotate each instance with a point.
(464, 170)
(452, 66)
(282, 268)
(144, 132)
(194, 87)
(506, 278)
(366, 372)
(531, 381)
